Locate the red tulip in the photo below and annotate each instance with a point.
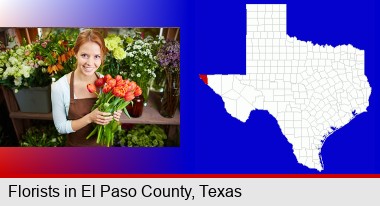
(111, 83)
(99, 82)
(138, 91)
(106, 89)
(129, 96)
(120, 83)
(132, 86)
(118, 78)
(107, 77)
(91, 88)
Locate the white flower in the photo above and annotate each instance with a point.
(13, 60)
(138, 75)
(20, 51)
(18, 81)
(25, 71)
(10, 71)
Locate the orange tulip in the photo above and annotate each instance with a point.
(118, 78)
(120, 83)
(119, 92)
(138, 91)
(107, 77)
(91, 88)
(129, 96)
(106, 89)
(132, 86)
(111, 83)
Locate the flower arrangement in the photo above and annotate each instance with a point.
(34, 65)
(115, 94)
(132, 56)
(168, 57)
(56, 51)
(19, 68)
(141, 61)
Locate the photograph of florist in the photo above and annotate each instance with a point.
(84, 87)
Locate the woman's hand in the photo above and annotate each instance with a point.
(99, 117)
(116, 115)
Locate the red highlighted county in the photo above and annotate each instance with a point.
(311, 90)
(204, 78)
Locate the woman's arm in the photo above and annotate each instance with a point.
(59, 108)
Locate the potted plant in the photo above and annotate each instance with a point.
(43, 136)
(142, 136)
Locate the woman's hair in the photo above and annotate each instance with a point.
(89, 35)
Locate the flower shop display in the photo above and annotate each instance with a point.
(19, 71)
(143, 136)
(114, 94)
(42, 136)
(133, 57)
(34, 65)
(168, 57)
(29, 70)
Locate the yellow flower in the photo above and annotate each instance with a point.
(112, 42)
(119, 53)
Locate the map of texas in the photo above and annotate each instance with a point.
(311, 90)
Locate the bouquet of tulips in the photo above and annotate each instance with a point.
(114, 94)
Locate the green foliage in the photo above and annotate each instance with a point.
(143, 136)
(44, 136)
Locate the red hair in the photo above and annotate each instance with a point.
(89, 35)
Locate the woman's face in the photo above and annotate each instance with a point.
(88, 58)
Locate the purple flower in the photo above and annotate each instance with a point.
(169, 55)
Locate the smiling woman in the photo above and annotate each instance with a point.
(71, 101)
